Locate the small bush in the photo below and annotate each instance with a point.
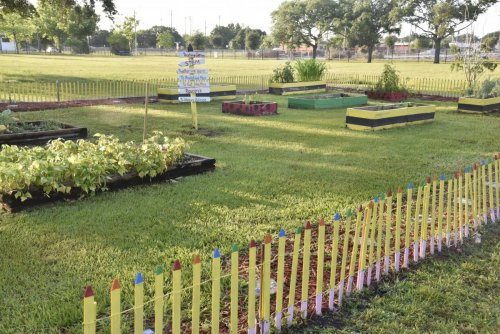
(489, 88)
(310, 70)
(389, 81)
(283, 74)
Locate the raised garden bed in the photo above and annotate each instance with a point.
(389, 116)
(297, 87)
(474, 105)
(192, 164)
(389, 96)
(217, 92)
(253, 108)
(64, 131)
(325, 101)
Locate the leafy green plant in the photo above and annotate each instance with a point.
(283, 74)
(63, 165)
(389, 81)
(489, 88)
(310, 70)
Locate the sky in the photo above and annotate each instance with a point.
(194, 15)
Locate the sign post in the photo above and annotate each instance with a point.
(193, 81)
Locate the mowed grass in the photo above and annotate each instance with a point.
(457, 292)
(272, 172)
(82, 68)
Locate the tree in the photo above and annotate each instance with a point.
(166, 40)
(438, 19)
(53, 20)
(267, 42)
(420, 43)
(128, 29)
(118, 42)
(252, 40)
(220, 36)
(298, 22)
(25, 8)
(149, 38)
(100, 38)
(390, 42)
(489, 41)
(82, 24)
(238, 41)
(198, 40)
(368, 20)
(16, 27)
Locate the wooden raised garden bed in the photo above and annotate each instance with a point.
(474, 105)
(325, 101)
(254, 108)
(389, 116)
(193, 164)
(297, 87)
(65, 131)
(217, 92)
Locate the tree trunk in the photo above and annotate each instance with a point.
(315, 47)
(16, 42)
(370, 53)
(437, 49)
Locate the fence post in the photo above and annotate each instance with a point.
(215, 292)
(89, 311)
(425, 215)
(58, 91)
(280, 280)
(354, 252)
(138, 304)
(195, 309)
(433, 213)
(345, 249)
(252, 264)
(306, 261)
(320, 265)
(176, 297)
(159, 300)
(409, 200)
(293, 275)
(397, 241)
(115, 307)
(380, 231)
(388, 226)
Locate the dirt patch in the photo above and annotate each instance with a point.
(40, 106)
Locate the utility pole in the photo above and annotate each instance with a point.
(171, 19)
(205, 27)
(190, 26)
(185, 20)
(219, 20)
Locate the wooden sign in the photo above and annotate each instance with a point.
(192, 54)
(192, 71)
(186, 84)
(197, 90)
(194, 99)
(192, 62)
(193, 77)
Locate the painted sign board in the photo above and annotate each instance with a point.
(194, 99)
(197, 90)
(192, 62)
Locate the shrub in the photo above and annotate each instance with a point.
(489, 88)
(283, 74)
(389, 81)
(310, 70)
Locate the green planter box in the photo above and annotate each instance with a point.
(297, 87)
(389, 116)
(327, 101)
(474, 105)
(217, 92)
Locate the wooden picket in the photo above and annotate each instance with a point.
(247, 303)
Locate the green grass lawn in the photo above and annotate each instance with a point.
(457, 292)
(272, 172)
(64, 67)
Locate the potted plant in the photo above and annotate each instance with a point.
(388, 87)
(250, 107)
(472, 60)
(306, 76)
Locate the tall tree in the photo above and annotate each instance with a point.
(82, 24)
(438, 19)
(252, 40)
(220, 36)
(100, 38)
(129, 29)
(298, 22)
(166, 40)
(53, 20)
(26, 8)
(198, 40)
(368, 20)
(16, 27)
(390, 42)
(149, 38)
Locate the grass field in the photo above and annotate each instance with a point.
(56, 67)
(457, 292)
(272, 172)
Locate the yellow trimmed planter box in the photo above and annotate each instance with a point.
(474, 105)
(217, 92)
(389, 116)
(297, 87)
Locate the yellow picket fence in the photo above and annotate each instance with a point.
(15, 92)
(268, 285)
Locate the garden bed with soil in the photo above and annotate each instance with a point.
(40, 132)
(253, 108)
(191, 165)
(389, 116)
(325, 101)
(389, 96)
(478, 106)
(297, 87)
